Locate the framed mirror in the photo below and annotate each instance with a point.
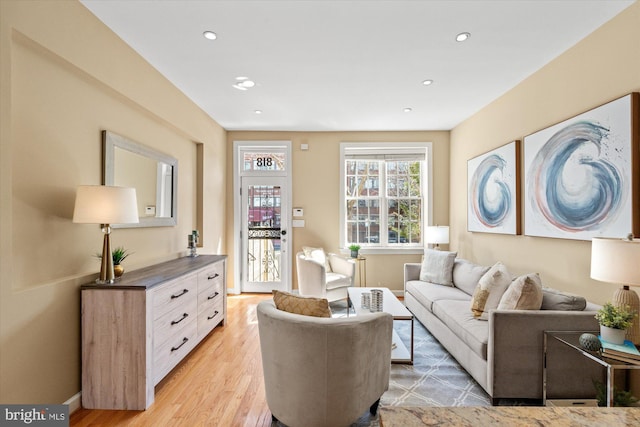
(153, 174)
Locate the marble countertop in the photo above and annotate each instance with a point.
(508, 416)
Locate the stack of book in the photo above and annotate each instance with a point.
(626, 352)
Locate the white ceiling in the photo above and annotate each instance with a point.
(348, 65)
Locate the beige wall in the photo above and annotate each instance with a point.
(65, 77)
(602, 67)
(316, 189)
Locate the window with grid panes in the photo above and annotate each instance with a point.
(383, 195)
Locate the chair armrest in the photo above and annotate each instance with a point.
(312, 277)
(342, 265)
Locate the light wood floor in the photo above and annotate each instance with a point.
(219, 384)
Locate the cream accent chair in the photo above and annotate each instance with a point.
(321, 372)
(316, 280)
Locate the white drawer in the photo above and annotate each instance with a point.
(173, 322)
(210, 315)
(210, 275)
(167, 355)
(173, 294)
(213, 291)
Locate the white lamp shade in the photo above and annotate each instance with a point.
(101, 204)
(616, 261)
(437, 234)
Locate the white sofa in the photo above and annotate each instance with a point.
(322, 372)
(324, 275)
(504, 354)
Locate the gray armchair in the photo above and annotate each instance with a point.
(315, 279)
(322, 372)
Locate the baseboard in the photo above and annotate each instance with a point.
(399, 293)
(74, 402)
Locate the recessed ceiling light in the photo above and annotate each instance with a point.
(258, 111)
(427, 82)
(408, 110)
(244, 83)
(462, 37)
(210, 35)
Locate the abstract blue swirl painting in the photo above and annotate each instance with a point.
(578, 175)
(493, 202)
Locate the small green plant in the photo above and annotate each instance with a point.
(620, 397)
(118, 254)
(354, 247)
(615, 317)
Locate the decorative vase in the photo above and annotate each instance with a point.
(612, 335)
(118, 270)
(590, 342)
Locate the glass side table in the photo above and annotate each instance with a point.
(570, 338)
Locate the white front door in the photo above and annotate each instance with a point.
(265, 258)
(262, 184)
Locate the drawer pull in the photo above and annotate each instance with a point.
(184, 316)
(214, 315)
(213, 296)
(213, 277)
(184, 341)
(184, 291)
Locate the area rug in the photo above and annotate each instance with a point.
(434, 379)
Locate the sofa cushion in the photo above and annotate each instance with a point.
(553, 299)
(308, 306)
(318, 255)
(492, 285)
(457, 317)
(524, 293)
(426, 293)
(437, 267)
(466, 275)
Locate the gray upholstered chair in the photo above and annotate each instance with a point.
(321, 372)
(330, 279)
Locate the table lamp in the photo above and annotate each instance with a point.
(105, 205)
(437, 234)
(618, 261)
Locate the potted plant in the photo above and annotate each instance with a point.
(118, 255)
(354, 250)
(614, 322)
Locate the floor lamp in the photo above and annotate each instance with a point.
(105, 205)
(618, 261)
(436, 234)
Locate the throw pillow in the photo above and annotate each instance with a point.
(492, 285)
(553, 299)
(524, 293)
(318, 255)
(308, 306)
(466, 275)
(437, 267)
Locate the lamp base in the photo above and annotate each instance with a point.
(625, 297)
(107, 276)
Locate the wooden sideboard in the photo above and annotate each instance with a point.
(134, 332)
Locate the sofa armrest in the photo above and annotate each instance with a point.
(411, 272)
(515, 352)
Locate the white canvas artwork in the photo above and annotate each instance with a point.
(493, 192)
(578, 175)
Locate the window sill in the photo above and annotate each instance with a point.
(386, 251)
